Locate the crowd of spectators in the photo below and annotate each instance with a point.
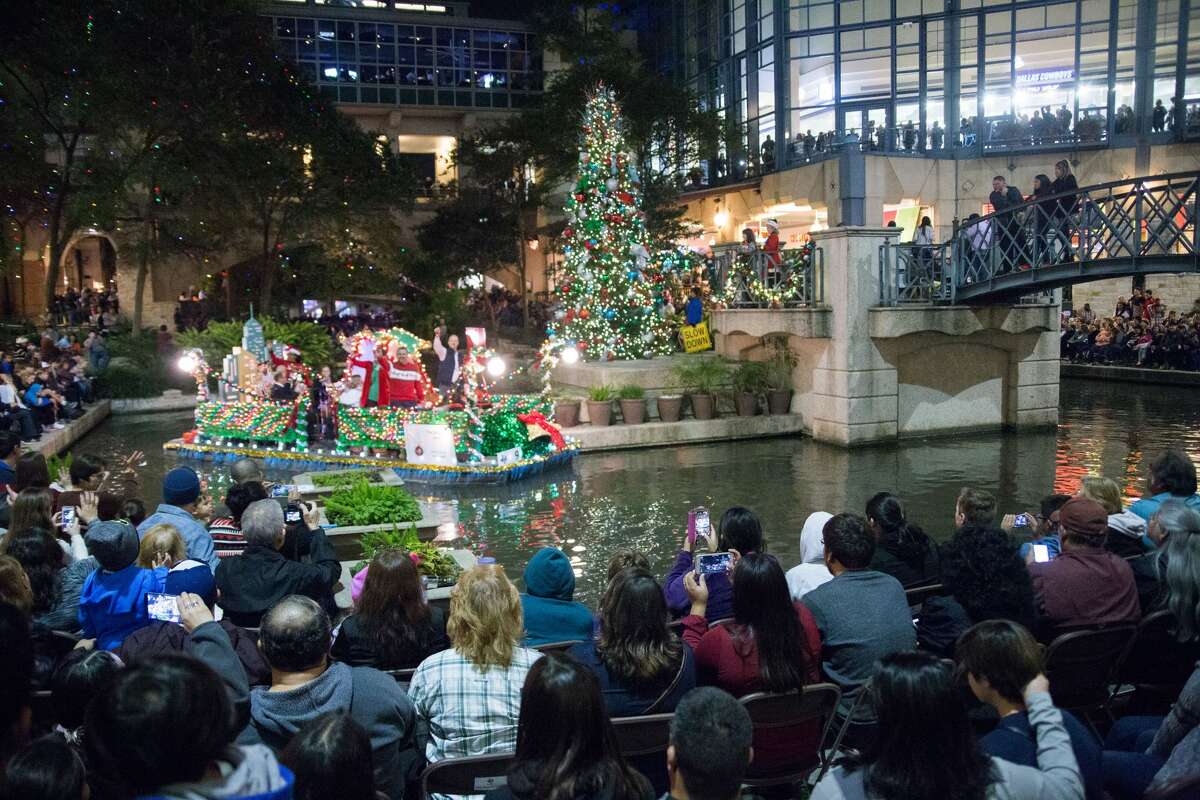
(265, 688)
(1140, 332)
(98, 309)
(44, 381)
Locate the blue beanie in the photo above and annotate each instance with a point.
(194, 577)
(181, 486)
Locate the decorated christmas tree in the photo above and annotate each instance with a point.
(607, 291)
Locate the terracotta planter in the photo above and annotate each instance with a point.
(633, 411)
(747, 404)
(779, 401)
(704, 406)
(600, 412)
(670, 407)
(566, 413)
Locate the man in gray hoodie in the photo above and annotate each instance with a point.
(294, 639)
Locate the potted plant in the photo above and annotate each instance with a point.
(633, 404)
(599, 404)
(566, 411)
(749, 383)
(702, 377)
(780, 363)
(670, 405)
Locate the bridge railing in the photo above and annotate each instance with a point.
(756, 280)
(914, 273)
(1135, 220)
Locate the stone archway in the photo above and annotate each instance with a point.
(89, 261)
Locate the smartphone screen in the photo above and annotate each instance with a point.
(162, 607)
(292, 516)
(282, 489)
(1041, 553)
(1021, 521)
(68, 517)
(711, 563)
(703, 526)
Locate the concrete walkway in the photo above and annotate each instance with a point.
(688, 431)
(171, 400)
(54, 442)
(1162, 377)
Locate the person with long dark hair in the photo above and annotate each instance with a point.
(1172, 476)
(772, 645)
(985, 578)
(902, 550)
(49, 769)
(739, 530)
(331, 757)
(393, 627)
(1064, 184)
(32, 472)
(926, 749)
(566, 746)
(643, 667)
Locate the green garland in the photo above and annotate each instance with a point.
(794, 262)
(253, 420)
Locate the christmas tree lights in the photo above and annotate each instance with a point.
(607, 295)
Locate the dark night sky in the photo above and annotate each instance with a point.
(499, 9)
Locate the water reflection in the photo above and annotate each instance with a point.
(639, 499)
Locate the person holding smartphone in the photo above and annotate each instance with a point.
(113, 604)
(740, 531)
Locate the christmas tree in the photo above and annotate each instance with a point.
(607, 287)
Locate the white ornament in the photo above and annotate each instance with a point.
(648, 337)
(611, 184)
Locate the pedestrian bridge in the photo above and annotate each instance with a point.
(1130, 227)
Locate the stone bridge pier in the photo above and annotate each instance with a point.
(869, 373)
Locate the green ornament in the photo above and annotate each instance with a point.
(503, 431)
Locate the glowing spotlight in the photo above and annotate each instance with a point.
(496, 366)
(569, 355)
(187, 362)
(721, 219)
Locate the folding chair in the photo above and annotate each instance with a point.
(402, 676)
(1081, 665)
(769, 711)
(470, 775)
(556, 647)
(1156, 664)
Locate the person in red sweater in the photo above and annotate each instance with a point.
(404, 379)
(771, 645)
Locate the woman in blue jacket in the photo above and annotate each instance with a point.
(112, 604)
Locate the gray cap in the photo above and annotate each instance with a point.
(113, 543)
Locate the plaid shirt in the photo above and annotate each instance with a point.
(462, 711)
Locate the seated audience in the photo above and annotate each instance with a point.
(1152, 755)
(1126, 530)
(862, 614)
(183, 507)
(1173, 520)
(566, 745)
(226, 530)
(261, 576)
(294, 640)
(468, 698)
(55, 585)
(901, 550)
(772, 645)
(642, 665)
(166, 727)
(1045, 531)
(161, 546)
(244, 470)
(160, 638)
(1172, 475)
(1000, 658)
(926, 749)
(112, 604)
(49, 769)
(974, 506)
(811, 572)
(549, 611)
(393, 627)
(331, 757)
(739, 530)
(1086, 585)
(710, 749)
(623, 558)
(80, 676)
(16, 682)
(985, 578)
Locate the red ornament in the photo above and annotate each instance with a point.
(583, 314)
(579, 197)
(625, 197)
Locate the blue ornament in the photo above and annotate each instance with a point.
(632, 274)
(609, 313)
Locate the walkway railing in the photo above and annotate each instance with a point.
(1118, 228)
(756, 280)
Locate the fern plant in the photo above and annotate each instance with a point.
(430, 560)
(362, 503)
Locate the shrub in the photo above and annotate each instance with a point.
(602, 393)
(362, 503)
(431, 560)
(702, 375)
(631, 392)
(346, 478)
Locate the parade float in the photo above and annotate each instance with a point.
(473, 436)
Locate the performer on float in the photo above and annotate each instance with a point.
(449, 362)
(368, 366)
(404, 378)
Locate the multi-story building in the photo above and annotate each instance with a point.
(939, 95)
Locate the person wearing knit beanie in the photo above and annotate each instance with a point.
(184, 508)
(112, 603)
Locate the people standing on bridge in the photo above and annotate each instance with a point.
(923, 244)
(1045, 219)
(976, 245)
(1160, 116)
(1065, 185)
(1008, 227)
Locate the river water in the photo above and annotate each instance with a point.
(640, 498)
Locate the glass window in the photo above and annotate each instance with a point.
(345, 31)
(285, 27)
